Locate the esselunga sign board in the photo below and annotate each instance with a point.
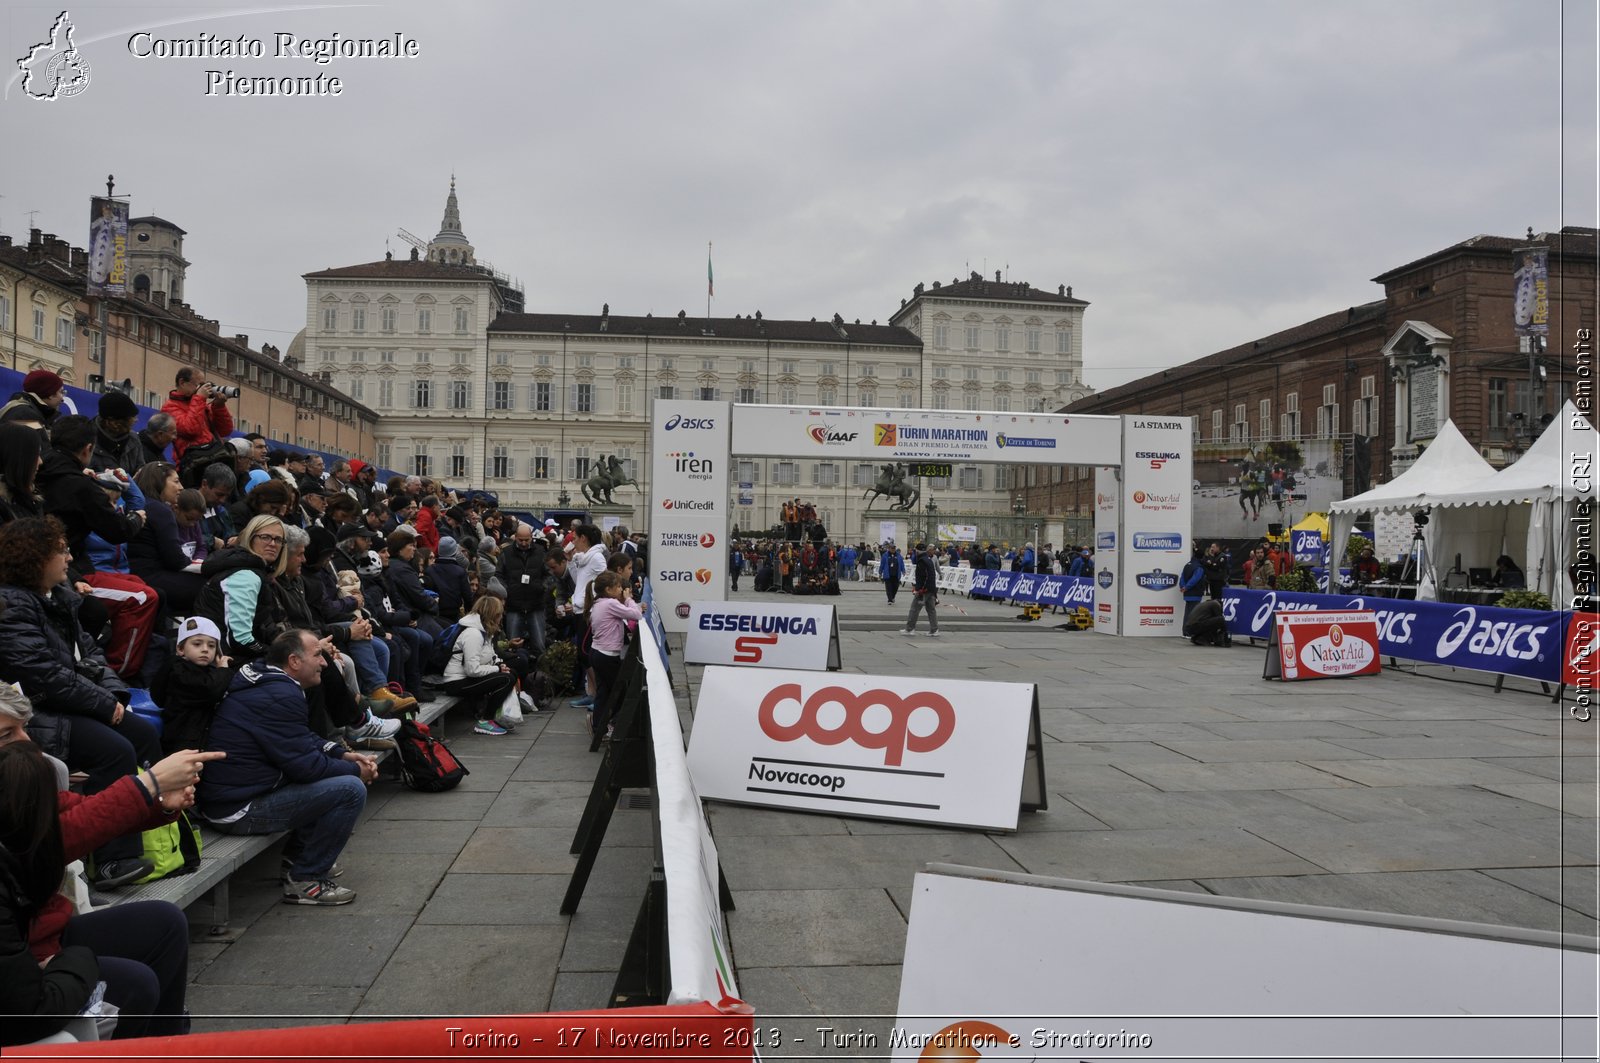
(883, 747)
(756, 633)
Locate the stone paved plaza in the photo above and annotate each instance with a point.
(1166, 765)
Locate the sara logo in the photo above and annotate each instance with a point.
(1104, 578)
(687, 504)
(1157, 458)
(884, 435)
(1499, 638)
(683, 575)
(1157, 541)
(708, 540)
(827, 435)
(677, 421)
(1156, 580)
(896, 737)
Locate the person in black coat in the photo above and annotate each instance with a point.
(448, 578)
(77, 500)
(156, 555)
(80, 705)
(411, 647)
(20, 449)
(406, 584)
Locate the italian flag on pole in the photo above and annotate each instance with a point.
(710, 285)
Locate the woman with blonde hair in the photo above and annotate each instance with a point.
(476, 671)
(238, 595)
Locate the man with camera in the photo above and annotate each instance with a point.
(199, 409)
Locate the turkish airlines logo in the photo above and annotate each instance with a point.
(708, 540)
(895, 713)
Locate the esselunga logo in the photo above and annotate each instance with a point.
(688, 504)
(1157, 458)
(677, 421)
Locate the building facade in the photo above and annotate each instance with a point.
(41, 289)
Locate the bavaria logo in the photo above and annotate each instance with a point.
(825, 435)
(1157, 541)
(1104, 578)
(678, 421)
(1157, 580)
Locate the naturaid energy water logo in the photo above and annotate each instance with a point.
(54, 69)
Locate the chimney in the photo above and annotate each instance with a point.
(80, 260)
(35, 246)
(212, 325)
(61, 251)
(242, 339)
(5, 241)
(159, 298)
(269, 350)
(413, 254)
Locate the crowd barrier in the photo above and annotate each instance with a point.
(1521, 642)
(1037, 588)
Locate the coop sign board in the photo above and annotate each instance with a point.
(763, 635)
(1322, 645)
(884, 747)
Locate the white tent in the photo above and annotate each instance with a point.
(1535, 507)
(1449, 464)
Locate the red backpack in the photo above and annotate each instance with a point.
(426, 763)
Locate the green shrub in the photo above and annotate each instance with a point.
(1353, 547)
(557, 663)
(1298, 580)
(1525, 600)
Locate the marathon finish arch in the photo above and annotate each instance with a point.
(1146, 462)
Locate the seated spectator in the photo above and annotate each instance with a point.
(217, 483)
(447, 578)
(278, 775)
(156, 437)
(416, 645)
(156, 555)
(268, 497)
(52, 959)
(199, 413)
(1507, 575)
(81, 705)
(406, 584)
(191, 686)
(20, 450)
(190, 511)
(39, 401)
(115, 444)
(237, 595)
(1367, 569)
(475, 671)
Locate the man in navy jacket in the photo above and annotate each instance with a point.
(281, 775)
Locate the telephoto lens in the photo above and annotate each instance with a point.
(227, 391)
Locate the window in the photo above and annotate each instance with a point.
(502, 358)
(1033, 376)
(1002, 338)
(1239, 431)
(460, 395)
(358, 357)
(64, 338)
(749, 471)
(666, 365)
(386, 319)
(423, 357)
(500, 394)
(500, 463)
(666, 391)
(827, 396)
(543, 359)
(1216, 426)
(583, 398)
(38, 325)
(786, 474)
(5, 312)
(419, 465)
(825, 474)
(383, 455)
(863, 475)
(1002, 402)
(585, 361)
(972, 337)
(97, 347)
(869, 369)
(748, 395)
(385, 398)
(1328, 412)
(941, 372)
(358, 390)
(1289, 422)
(908, 372)
(829, 369)
(330, 319)
(941, 336)
(941, 399)
(541, 462)
(541, 396)
(1364, 414)
(386, 357)
(970, 400)
(625, 455)
(786, 368)
(786, 395)
(1063, 341)
(459, 357)
(461, 319)
(1499, 405)
(971, 372)
(624, 361)
(424, 319)
(458, 460)
(866, 397)
(1033, 340)
(971, 478)
(709, 394)
(422, 394)
(358, 319)
(580, 463)
(1264, 419)
(624, 395)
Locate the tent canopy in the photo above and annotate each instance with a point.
(1541, 474)
(1450, 464)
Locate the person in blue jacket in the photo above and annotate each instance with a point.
(891, 568)
(280, 775)
(1192, 582)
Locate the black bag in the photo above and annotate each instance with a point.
(426, 763)
(200, 455)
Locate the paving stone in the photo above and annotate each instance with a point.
(816, 927)
(1573, 887)
(452, 804)
(220, 1008)
(1143, 855)
(735, 820)
(1267, 775)
(1469, 896)
(1177, 885)
(566, 767)
(1424, 748)
(1497, 729)
(581, 991)
(1080, 778)
(1439, 772)
(857, 1003)
(299, 946)
(1061, 753)
(1556, 769)
(1268, 749)
(1197, 808)
(848, 861)
(489, 900)
(392, 837)
(597, 934)
(517, 850)
(466, 970)
(1576, 798)
(1282, 730)
(1374, 803)
(379, 890)
(1413, 845)
(538, 804)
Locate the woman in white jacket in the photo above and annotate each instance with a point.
(588, 561)
(476, 671)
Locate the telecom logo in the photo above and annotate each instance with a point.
(826, 435)
(1036, 442)
(677, 421)
(1157, 458)
(687, 505)
(885, 435)
(1157, 541)
(1104, 579)
(1157, 580)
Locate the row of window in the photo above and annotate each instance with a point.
(862, 474)
(388, 319)
(64, 325)
(1033, 339)
(1364, 416)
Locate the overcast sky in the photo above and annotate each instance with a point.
(1202, 173)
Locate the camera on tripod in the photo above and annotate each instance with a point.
(1419, 520)
(227, 391)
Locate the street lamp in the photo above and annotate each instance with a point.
(932, 532)
(1020, 508)
(564, 500)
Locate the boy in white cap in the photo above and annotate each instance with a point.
(192, 685)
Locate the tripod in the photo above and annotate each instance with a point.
(1416, 558)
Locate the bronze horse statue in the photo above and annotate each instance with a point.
(608, 476)
(892, 483)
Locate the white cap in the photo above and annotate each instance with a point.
(550, 522)
(197, 625)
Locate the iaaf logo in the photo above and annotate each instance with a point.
(1503, 638)
(1156, 581)
(825, 435)
(1157, 458)
(896, 737)
(683, 575)
(689, 504)
(677, 421)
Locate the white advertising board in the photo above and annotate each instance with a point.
(1107, 547)
(883, 747)
(767, 636)
(958, 533)
(1146, 974)
(689, 507)
(1157, 518)
(887, 531)
(698, 952)
(925, 435)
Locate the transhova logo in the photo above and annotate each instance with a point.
(54, 69)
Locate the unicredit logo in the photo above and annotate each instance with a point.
(676, 421)
(896, 737)
(687, 504)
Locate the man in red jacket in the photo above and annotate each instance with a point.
(427, 522)
(199, 411)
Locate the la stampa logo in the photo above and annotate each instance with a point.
(54, 69)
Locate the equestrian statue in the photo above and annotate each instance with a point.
(892, 483)
(608, 476)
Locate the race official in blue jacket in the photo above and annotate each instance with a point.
(280, 775)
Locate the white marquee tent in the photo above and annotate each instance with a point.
(1449, 464)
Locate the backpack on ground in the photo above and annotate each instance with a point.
(443, 647)
(426, 763)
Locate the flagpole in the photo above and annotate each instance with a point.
(709, 282)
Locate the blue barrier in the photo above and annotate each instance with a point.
(1521, 642)
(1038, 588)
